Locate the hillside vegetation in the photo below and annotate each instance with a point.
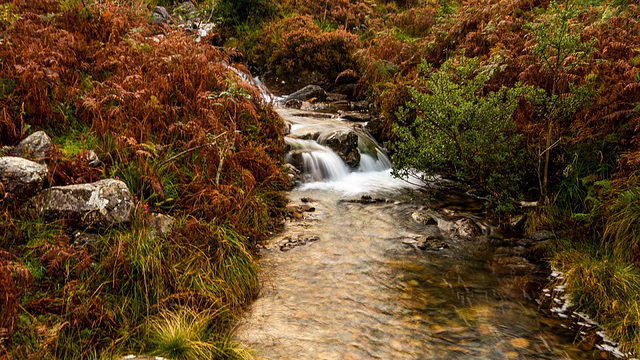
(167, 117)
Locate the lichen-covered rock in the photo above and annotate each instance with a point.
(34, 147)
(345, 143)
(21, 178)
(97, 205)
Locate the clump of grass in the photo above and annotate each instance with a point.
(622, 230)
(184, 334)
(606, 289)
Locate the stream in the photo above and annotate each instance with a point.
(365, 269)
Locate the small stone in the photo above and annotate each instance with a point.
(160, 15)
(511, 355)
(160, 223)
(519, 343)
(298, 215)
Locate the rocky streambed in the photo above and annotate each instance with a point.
(365, 269)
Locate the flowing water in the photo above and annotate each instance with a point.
(347, 280)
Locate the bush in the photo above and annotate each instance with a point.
(459, 132)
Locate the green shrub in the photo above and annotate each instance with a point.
(458, 131)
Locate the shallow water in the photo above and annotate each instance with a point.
(363, 290)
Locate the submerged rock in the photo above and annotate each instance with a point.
(431, 242)
(21, 178)
(97, 205)
(345, 143)
(35, 146)
(307, 93)
(467, 227)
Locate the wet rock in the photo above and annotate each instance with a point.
(519, 343)
(367, 199)
(333, 97)
(307, 93)
(431, 242)
(354, 116)
(423, 218)
(292, 172)
(160, 15)
(511, 265)
(160, 224)
(295, 158)
(345, 143)
(20, 178)
(293, 104)
(289, 242)
(467, 228)
(97, 205)
(375, 127)
(306, 208)
(537, 237)
(34, 147)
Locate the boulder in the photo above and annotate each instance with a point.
(160, 15)
(345, 143)
(308, 92)
(35, 146)
(21, 178)
(97, 205)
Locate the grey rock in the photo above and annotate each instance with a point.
(160, 224)
(34, 147)
(160, 15)
(467, 227)
(21, 178)
(97, 205)
(345, 143)
(423, 218)
(307, 93)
